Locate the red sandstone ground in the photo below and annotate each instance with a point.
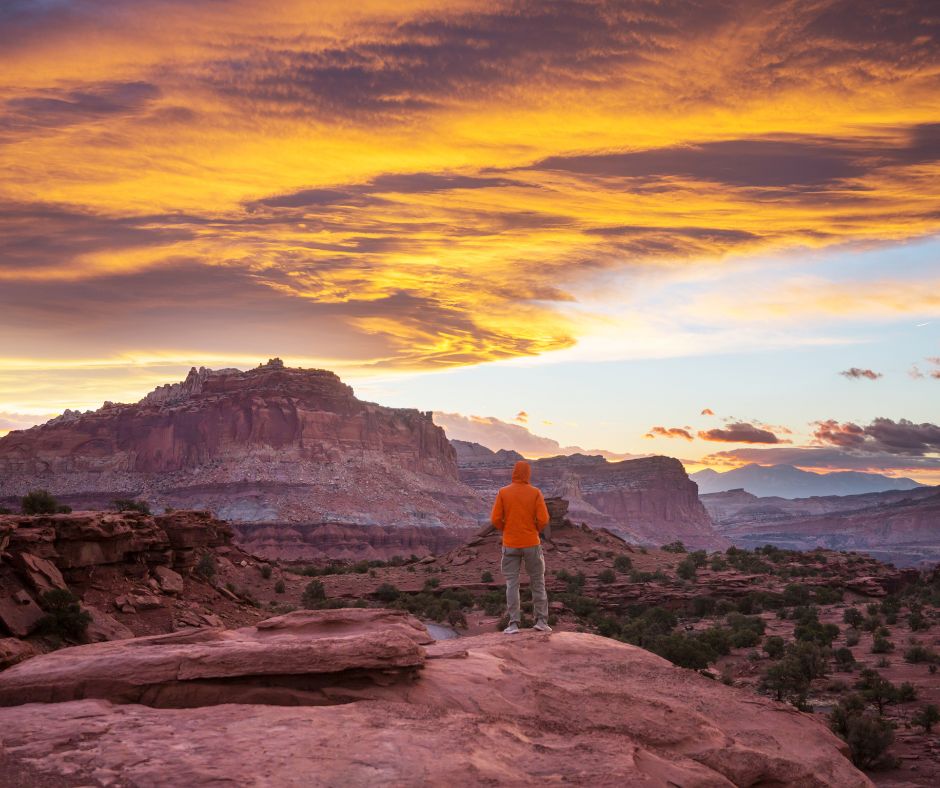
(125, 570)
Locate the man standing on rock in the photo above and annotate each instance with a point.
(520, 513)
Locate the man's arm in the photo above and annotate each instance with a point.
(541, 512)
(497, 516)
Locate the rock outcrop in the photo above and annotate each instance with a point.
(271, 445)
(132, 574)
(896, 526)
(649, 500)
(367, 703)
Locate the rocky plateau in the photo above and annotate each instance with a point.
(362, 697)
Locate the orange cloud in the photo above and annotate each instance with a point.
(740, 432)
(669, 432)
(425, 184)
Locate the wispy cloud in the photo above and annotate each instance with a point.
(856, 373)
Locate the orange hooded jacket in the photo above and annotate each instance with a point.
(520, 511)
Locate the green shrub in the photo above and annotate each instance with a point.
(674, 547)
(279, 587)
(853, 617)
(702, 606)
(845, 659)
(686, 569)
(207, 567)
(906, 692)
(717, 639)
(881, 645)
(64, 617)
(851, 637)
(313, 594)
(266, 571)
(718, 564)
(810, 629)
(785, 680)
(919, 653)
(927, 717)
(623, 563)
(774, 646)
(130, 505)
(876, 689)
(826, 595)
(868, 736)
(652, 623)
(39, 502)
(386, 593)
(795, 594)
(573, 583)
(607, 576)
(486, 577)
(916, 621)
(683, 650)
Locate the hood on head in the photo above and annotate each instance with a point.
(522, 472)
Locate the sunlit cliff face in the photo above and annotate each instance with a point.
(414, 185)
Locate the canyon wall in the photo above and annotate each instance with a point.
(268, 445)
(902, 527)
(649, 500)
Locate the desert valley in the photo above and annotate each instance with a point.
(469, 393)
(264, 538)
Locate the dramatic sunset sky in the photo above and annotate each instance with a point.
(702, 228)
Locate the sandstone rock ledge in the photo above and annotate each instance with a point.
(571, 708)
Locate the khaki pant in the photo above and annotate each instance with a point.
(513, 558)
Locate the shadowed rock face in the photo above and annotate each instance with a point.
(272, 444)
(569, 707)
(649, 500)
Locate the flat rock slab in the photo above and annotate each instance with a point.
(191, 668)
(529, 710)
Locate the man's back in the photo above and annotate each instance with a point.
(520, 511)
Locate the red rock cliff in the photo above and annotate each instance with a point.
(650, 500)
(272, 444)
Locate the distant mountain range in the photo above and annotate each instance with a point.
(785, 481)
(900, 526)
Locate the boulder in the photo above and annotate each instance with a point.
(103, 627)
(20, 614)
(13, 650)
(41, 573)
(170, 582)
(145, 601)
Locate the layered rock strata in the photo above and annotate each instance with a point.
(130, 571)
(902, 527)
(268, 445)
(649, 500)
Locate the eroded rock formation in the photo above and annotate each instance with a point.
(649, 500)
(269, 445)
(133, 574)
(570, 707)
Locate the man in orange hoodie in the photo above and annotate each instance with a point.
(520, 513)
